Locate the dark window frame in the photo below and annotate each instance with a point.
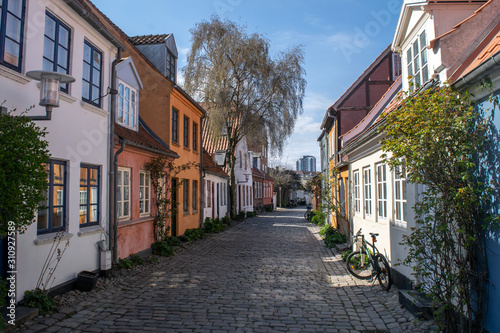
(175, 125)
(3, 30)
(186, 131)
(194, 191)
(185, 196)
(89, 187)
(93, 100)
(170, 66)
(55, 63)
(195, 136)
(50, 198)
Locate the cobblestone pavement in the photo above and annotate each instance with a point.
(270, 273)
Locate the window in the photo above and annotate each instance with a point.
(91, 81)
(186, 132)
(171, 66)
(367, 178)
(56, 47)
(195, 136)
(11, 33)
(89, 195)
(396, 66)
(144, 193)
(52, 218)
(175, 126)
(209, 194)
(127, 105)
(357, 192)
(123, 193)
(416, 60)
(382, 191)
(241, 160)
(195, 195)
(400, 218)
(185, 195)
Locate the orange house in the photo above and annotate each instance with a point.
(170, 113)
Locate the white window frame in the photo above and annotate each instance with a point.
(382, 191)
(145, 193)
(120, 200)
(123, 105)
(400, 197)
(357, 192)
(367, 191)
(417, 61)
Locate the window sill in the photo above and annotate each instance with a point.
(94, 109)
(175, 144)
(68, 98)
(91, 230)
(13, 75)
(186, 148)
(125, 223)
(185, 213)
(50, 238)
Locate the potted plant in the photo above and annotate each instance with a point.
(86, 280)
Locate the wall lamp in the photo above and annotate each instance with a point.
(49, 90)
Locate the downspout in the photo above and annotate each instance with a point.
(115, 219)
(112, 158)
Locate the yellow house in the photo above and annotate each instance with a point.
(185, 140)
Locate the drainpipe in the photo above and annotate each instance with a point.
(111, 166)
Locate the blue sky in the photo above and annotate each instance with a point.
(341, 38)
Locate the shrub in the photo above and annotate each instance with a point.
(251, 214)
(269, 208)
(136, 260)
(214, 226)
(162, 249)
(345, 254)
(39, 298)
(173, 241)
(194, 234)
(227, 220)
(319, 217)
(331, 236)
(241, 216)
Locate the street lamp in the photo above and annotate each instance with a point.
(50, 83)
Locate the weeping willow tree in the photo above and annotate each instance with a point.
(246, 91)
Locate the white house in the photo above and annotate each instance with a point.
(62, 36)
(216, 187)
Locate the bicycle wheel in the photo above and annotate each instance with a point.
(384, 272)
(358, 264)
(306, 215)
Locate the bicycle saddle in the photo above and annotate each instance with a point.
(372, 234)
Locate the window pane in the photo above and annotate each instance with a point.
(13, 28)
(58, 196)
(15, 7)
(93, 213)
(141, 207)
(416, 49)
(83, 195)
(58, 174)
(48, 49)
(83, 176)
(62, 57)
(93, 176)
(96, 77)
(11, 53)
(83, 214)
(423, 40)
(94, 195)
(126, 208)
(95, 94)
(125, 193)
(64, 37)
(119, 208)
(141, 178)
(58, 218)
(86, 72)
(42, 222)
(119, 182)
(97, 60)
(86, 53)
(50, 27)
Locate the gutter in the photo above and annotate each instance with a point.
(478, 73)
(94, 22)
(111, 166)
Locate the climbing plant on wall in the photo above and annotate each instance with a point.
(439, 137)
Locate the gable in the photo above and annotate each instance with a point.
(126, 71)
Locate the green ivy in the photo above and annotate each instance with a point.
(23, 177)
(437, 136)
(162, 249)
(39, 298)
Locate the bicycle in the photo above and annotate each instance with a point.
(366, 264)
(308, 215)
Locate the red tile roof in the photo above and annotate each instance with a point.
(144, 137)
(210, 166)
(149, 39)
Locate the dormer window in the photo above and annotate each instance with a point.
(127, 106)
(171, 62)
(416, 62)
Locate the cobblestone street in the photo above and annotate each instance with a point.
(270, 273)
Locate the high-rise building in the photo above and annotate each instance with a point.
(306, 163)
